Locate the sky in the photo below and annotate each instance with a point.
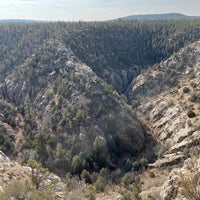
(92, 10)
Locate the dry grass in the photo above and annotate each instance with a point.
(189, 181)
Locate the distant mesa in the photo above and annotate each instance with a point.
(166, 16)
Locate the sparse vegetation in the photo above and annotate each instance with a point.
(15, 189)
(23, 189)
(36, 172)
(189, 182)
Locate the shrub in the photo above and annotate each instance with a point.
(191, 114)
(75, 195)
(195, 97)
(128, 195)
(189, 123)
(131, 195)
(104, 172)
(15, 189)
(90, 192)
(78, 164)
(137, 166)
(152, 174)
(190, 186)
(127, 165)
(86, 176)
(94, 177)
(128, 179)
(41, 195)
(186, 90)
(36, 172)
(100, 184)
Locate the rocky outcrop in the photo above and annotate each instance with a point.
(11, 171)
(169, 124)
(181, 180)
(167, 94)
(178, 70)
(165, 110)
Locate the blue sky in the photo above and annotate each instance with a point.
(73, 10)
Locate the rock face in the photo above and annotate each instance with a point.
(166, 110)
(169, 124)
(168, 93)
(9, 170)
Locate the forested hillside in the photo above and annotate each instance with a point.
(69, 113)
(71, 97)
(115, 50)
(60, 105)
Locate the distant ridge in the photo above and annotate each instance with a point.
(166, 16)
(21, 21)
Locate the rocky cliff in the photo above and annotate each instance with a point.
(169, 98)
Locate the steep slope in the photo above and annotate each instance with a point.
(116, 51)
(11, 124)
(169, 98)
(72, 118)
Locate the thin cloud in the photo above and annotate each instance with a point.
(16, 3)
(92, 9)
